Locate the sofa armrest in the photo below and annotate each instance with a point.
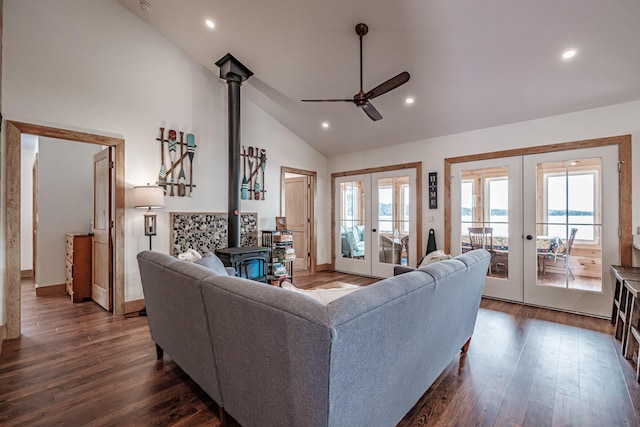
(401, 269)
(230, 271)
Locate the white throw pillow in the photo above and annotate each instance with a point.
(191, 255)
(434, 256)
(325, 296)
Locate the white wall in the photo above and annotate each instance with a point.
(92, 65)
(613, 120)
(65, 202)
(27, 157)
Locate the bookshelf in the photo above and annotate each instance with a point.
(281, 255)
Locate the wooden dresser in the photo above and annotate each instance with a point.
(79, 266)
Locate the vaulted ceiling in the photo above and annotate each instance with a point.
(473, 64)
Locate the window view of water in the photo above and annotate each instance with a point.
(564, 209)
(558, 225)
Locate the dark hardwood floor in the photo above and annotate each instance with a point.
(75, 364)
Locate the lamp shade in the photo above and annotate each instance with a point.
(148, 196)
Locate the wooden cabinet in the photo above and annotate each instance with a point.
(79, 266)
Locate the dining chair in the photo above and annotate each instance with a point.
(564, 255)
(482, 238)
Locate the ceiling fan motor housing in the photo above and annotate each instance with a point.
(362, 29)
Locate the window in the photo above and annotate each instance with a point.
(466, 205)
(484, 195)
(498, 206)
(571, 203)
(385, 209)
(405, 208)
(351, 204)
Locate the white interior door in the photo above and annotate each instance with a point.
(571, 191)
(486, 197)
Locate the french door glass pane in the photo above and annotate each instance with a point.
(568, 224)
(393, 220)
(484, 215)
(352, 219)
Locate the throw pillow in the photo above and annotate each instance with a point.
(324, 296)
(434, 256)
(212, 261)
(190, 255)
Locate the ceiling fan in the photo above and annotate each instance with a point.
(361, 99)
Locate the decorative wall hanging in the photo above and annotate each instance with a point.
(433, 190)
(167, 176)
(253, 185)
(207, 231)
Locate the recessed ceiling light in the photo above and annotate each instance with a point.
(209, 23)
(568, 54)
(325, 125)
(409, 100)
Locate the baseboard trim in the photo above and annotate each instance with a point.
(133, 306)
(3, 336)
(53, 290)
(26, 274)
(324, 267)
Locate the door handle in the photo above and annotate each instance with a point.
(529, 237)
(374, 230)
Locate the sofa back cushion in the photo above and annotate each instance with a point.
(176, 316)
(393, 338)
(272, 347)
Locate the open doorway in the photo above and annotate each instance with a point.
(297, 205)
(57, 206)
(14, 130)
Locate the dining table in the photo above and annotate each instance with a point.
(546, 247)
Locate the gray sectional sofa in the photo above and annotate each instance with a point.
(275, 357)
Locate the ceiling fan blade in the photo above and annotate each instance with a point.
(327, 100)
(371, 111)
(390, 84)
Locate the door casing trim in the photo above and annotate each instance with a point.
(12, 212)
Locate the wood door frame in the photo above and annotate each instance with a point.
(34, 217)
(313, 188)
(624, 178)
(13, 132)
(416, 165)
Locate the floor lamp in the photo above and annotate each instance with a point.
(149, 197)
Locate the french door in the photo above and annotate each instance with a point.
(375, 222)
(487, 196)
(550, 222)
(575, 210)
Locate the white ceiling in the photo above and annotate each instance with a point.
(473, 64)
